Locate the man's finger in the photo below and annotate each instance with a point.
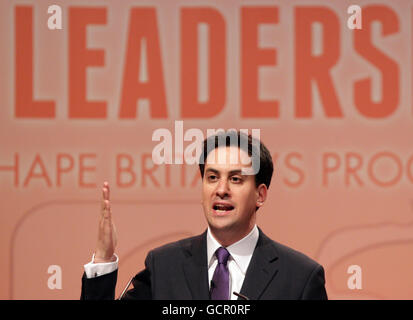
(105, 190)
(105, 194)
(106, 208)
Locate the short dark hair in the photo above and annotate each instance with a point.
(235, 138)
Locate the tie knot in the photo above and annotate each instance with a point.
(222, 255)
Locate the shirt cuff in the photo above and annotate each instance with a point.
(94, 270)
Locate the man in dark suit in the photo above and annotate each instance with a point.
(233, 258)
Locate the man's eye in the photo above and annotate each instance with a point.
(236, 179)
(212, 178)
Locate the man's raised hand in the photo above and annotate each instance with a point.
(107, 238)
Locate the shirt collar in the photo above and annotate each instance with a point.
(240, 251)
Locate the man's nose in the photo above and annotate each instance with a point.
(223, 190)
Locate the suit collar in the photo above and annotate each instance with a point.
(260, 272)
(262, 268)
(196, 268)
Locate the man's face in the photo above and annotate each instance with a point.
(229, 198)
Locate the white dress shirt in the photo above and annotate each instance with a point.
(94, 270)
(238, 262)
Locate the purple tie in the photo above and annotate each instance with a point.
(220, 280)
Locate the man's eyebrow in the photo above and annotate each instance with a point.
(211, 170)
(237, 171)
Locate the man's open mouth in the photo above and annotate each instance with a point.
(222, 208)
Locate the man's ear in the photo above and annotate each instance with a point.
(261, 195)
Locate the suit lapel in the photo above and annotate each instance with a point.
(262, 268)
(196, 269)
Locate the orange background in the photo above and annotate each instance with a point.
(79, 104)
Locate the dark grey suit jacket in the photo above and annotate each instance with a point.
(179, 271)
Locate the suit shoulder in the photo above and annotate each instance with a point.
(181, 245)
(302, 277)
(294, 257)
